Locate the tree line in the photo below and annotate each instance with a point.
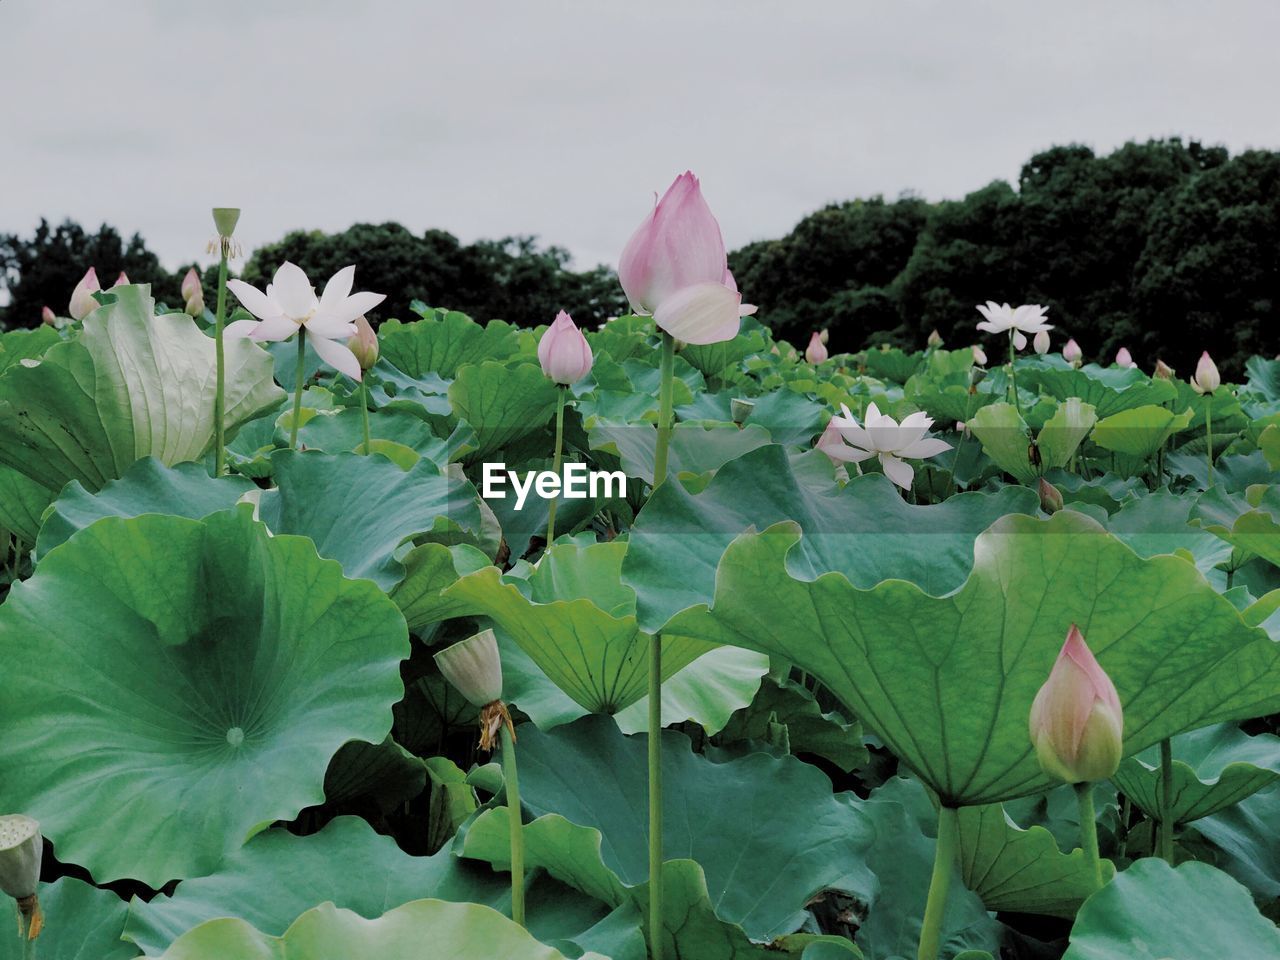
(1165, 247)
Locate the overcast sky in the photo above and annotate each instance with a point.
(562, 118)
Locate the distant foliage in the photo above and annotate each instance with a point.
(1164, 247)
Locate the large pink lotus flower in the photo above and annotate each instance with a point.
(563, 351)
(290, 304)
(1018, 322)
(82, 300)
(1077, 723)
(675, 268)
(879, 435)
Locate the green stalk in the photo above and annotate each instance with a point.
(561, 390)
(300, 381)
(512, 782)
(1166, 801)
(1208, 433)
(944, 867)
(1089, 830)
(656, 930)
(1013, 379)
(220, 394)
(364, 415)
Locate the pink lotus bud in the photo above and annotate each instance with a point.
(1050, 496)
(1041, 342)
(563, 351)
(191, 285)
(364, 344)
(1163, 371)
(82, 302)
(1206, 378)
(1072, 352)
(935, 339)
(979, 356)
(677, 246)
(1124, 358)
(122, 280)
(815, 352)
(1077, 723)
(48, 316)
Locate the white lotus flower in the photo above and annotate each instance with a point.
(881, 436)
(290, 304)
(1002, 318)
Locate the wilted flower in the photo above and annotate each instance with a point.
(882, 436)
(1002, 318)
(1072, 352)
(1077, 724)
(1041, 342)
(48, 316)
(82, 301)
(1050, 496)
(290, 304)
(979, 356)
(1206, 378)
(364, 344)
(474, 668)
(816, 352)
(564, 352)
(675, 267)
(935, 339)
(1124, 358)
(122, 280)
(21, 852)
(1163, 371)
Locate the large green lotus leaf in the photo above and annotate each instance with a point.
(1106, 490)
(442, 341)
(157, 659)
(1264, 379)
(865, 530)
(342, 430)
(1213, 768)
(1158, 523)
(81, 922)
(19, 345)
(1246, 521)
(573, 854)
(1227, 416)
(577, 621)
(1109, 390)
(947, 683)
(809, 729)
(327, 932)
(1140, 431)
(148, 486)
(22, 503)
(791, 419)
(1006, 437)
(706, 692)
(1062, 433)
(720, 359)
(622, 337)
(131, 385)
(767, 830)
(696, 448)
(359, 510)
(1153, 911)
(502, 403)
(430, 569)
(893, 364)
(1245, 840)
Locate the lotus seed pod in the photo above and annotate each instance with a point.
(474, 667)
(225, 220)
(21, 848)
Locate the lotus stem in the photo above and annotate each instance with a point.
(300, 381)
(944, 867)
(656, 928)
(512, 782)
(1089, 831)
(220, 382)
(1013, 379)
(1166, 801)
(364, 416)
(561, 390)
(1208, 434)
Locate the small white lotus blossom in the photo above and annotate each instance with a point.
(1041, 343)
(1124, 358)
(1206, 379)
(979, 356)
(290, 304)
(879, 435)
(1019, 321)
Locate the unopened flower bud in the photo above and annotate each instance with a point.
(48, 316)
(1162, 371)
(563, 351)
(1050, 496)
(1072, 353)
(824, 335)
(935, 339)
(1124, 358)
(1041, 342)
(122, 280)
(1206, 378)
(191, 285)
(979, 356)
(82, 301)
(364, 344)
(816, 352)
(1077, 723)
